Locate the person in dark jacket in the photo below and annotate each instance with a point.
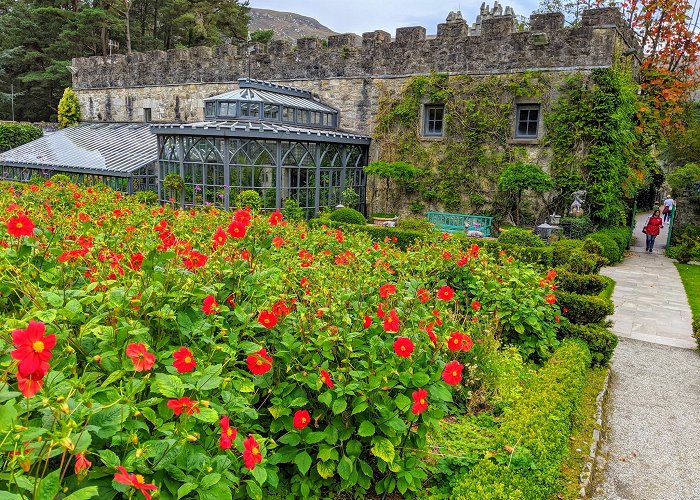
(652, 228)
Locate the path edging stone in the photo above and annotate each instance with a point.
(587, 473)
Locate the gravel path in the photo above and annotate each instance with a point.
(652, 443)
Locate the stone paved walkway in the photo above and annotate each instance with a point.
(652, 442)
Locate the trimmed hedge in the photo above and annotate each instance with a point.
(520, 237)
(611, 250)
(534, 436)
(621, 234)
(601, 341)
(563, 250)
(348, 215)
(696, 331)
(13, 135)
(584, 309)
(583, 284)
(404, 238)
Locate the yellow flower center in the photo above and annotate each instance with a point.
(18, 225)
(266, 321)
(229, 432)
(259, 362)
(303, 420)
(422, 401)
(454, 373)
(403, 347)
(38, 346)
(188, 359)
(255, 451)
(140, 479)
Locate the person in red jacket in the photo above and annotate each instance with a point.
(651, 229)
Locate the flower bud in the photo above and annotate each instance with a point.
(204, 403)
(137, 413)
(97, 359)
(20, 428)
(134, 439)
(64, 408)
(191, 438)
(139, 452)
(66, 443)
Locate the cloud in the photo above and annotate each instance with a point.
(359, 16)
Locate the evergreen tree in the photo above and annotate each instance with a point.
(68, 109)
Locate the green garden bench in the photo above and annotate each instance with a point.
(458, 223)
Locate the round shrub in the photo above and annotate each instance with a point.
(60, 179)
(584, 284)
(580, 262)
(520, 237)
(348, 215)
(584, 309)
(601, 341)
(611, 251)
(147, 197)
(563, 250)
(291, 210)
(249, 198)
(415, 224)
(592, 246)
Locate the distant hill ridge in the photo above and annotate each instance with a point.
(287, 25)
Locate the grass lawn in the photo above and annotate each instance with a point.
(690, 275)
(582, 434)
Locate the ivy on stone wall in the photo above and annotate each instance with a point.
(591, 132)
(460, 170)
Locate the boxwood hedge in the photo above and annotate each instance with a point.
(584, 309)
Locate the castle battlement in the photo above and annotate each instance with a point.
(490, 46)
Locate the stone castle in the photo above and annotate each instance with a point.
(344, 71)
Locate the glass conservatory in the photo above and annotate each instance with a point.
(276, 140)
(120, 155)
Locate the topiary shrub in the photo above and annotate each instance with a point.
(348, 215)
(292, 211)
(249, 198)
(576, 227)
(520, 237)
(349, 197)
(621, 234)
(415, 224)
(146, 197)
(563, 250)
(61, 179)
(68, 109)
(584, 309)
(601, 341)
(584, 284)
(611, 251)
(591, 245)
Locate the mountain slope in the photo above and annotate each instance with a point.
(287, 25)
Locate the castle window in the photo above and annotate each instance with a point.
(287, 114)
(272, 111)
(303, 116)
(250, 109)
(147, 115)
(210, 109)
(527, 121)
(433, 120)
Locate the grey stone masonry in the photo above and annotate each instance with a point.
(496, 47)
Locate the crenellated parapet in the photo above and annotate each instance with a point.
(493, 45)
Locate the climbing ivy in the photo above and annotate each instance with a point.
(459, 171)
(594, 147)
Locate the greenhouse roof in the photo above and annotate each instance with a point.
(115, 149)
(270, 93)
(259, 130)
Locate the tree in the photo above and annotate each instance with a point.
(518, 177)
(400, 171)
(262, 36)
(68, 109)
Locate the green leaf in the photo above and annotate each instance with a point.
(292, 439)
(260, 475)
(109, 458)
(113, 377)
(420, 379)
(254, 491)
(366, 429)
(326, 469)
(209, 480)
(46, 316)
(83, 494)
(339, 406)
(326, 398)
(359, 408)
(6, 495)
(49, 486)
(353, 448)
(303, 461)
(345, 468)
(208, 415)
(210, 378)
(315, 437)
(382, 448)
(8, 414)
(169, 386)
(403, 402)
(186, 489)
(219, 491)
(440, 392)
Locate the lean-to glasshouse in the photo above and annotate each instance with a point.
(274, 139)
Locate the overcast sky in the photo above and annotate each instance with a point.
(359, 16)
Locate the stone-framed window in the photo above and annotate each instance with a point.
(433, 120)
(147, 118)
(527, 120)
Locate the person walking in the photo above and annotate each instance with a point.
(651, 228)
(668, 208)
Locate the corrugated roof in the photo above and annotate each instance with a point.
(253, 128)
(104, 148)
(267, 97)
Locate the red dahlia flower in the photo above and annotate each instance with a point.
(474, 250)
(268, 319)
(386, 290)
(452, 374)
(445, 293)
(455, 342)
(368, 321)
(135, 261)
(301, 419)
(275, 218)
(236, 229)
(135, 481)
(467, 342)
(242, 216)
(476, 305)
(326, 378)
(82, 464)
(423, 295)
(391, 322)
(20, 225)
(277, 242)
(259, 362)
(194, 260)
(140, 357)
(33, 348)
(218, 238)
(32, 383)
(551, 274)
(183, 404)
(183, 360)
(228, 434)
(251, 452)
(550, 298)
(209, 305)
(403, 347)
(420, 403)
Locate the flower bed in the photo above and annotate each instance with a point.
(200, 354)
